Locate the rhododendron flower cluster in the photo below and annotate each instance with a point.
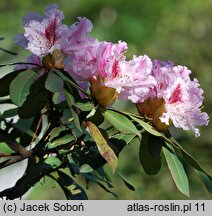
(161, 91)
(175, 99)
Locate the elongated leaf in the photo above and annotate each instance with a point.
(76, 119)
(23, 125)
(71, 189)
(55, 132)
(94, 178)
(69, 98)
(104, 148)
(36, 100)
(62, 140)
(86, 168)
(95, 116)
(189, 159)
(204, 176)
(120, 122)
(177, 170)
(84, 106)
(147, 127)
(53, 82)
(9, 113)
(205, 179)
(129, 185)
(71, 102)
(33, 124)
(126, 137)
(67, 78)
(150, 158)
(3, 101)
(5, 82)
(20, 86)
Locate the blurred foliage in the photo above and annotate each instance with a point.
(168, 30)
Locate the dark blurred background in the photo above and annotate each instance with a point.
(167, 30)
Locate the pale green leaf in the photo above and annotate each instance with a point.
(53, 82)
(71, 102)
(20, 87)
(177, 170)
(121, 123)
(86, 168)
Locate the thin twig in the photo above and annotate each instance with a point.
(36, 131)
(7, 51)
(42, 142)
(19, 63)
(16, 159)
(8, 154)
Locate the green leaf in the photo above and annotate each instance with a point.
(55, 132)
(71, 189)
(126, 137)
(24, 126)
(204, 176)
(9, 113)
(20, 86)
(62, 140)
(95, 116)
(69, 98)
(104, 148)
(70, 101)
(86, 168)
(33, 124)
(92, 112)
(67, 78)
(5, 82)
(149, 158)
(130, 186)
(189, 159)
(177, 170)
(36, 100)
(121, 123)
(53, 82)
(76, 119)
(4, 101)
(205, 179)
(147, 127)
(84, 106)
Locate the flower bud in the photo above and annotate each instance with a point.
(54, 60)
(154, 108)
(105, 96)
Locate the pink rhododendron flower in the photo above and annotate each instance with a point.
(132, 79)
(183, 101)
(175, 99)
(94, 60)
(82, 63)
(80, 50)
(108, 57)
(43, 34)
(78, 36)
